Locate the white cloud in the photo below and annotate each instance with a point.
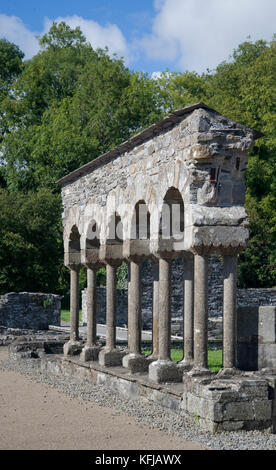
(197, 34)
(13, 29)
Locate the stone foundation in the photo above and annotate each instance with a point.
(216, 402)
(229, 403)
(29, 310)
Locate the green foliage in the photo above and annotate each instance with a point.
(122, 276)
(30, 241)
(47, 303)
(71, 103)
(10, 61)
(244, 89)
(178, 90)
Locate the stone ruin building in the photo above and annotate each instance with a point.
(194, 158)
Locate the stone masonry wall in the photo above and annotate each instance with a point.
(245, 297)
(30, 310)
(202, 154)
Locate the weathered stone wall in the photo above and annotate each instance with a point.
(245, 297)
(201, 154)
(256, 327)
(29, 310)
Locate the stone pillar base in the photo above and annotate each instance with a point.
(200, 372)
(185, 365)
(136, 363)
(165, 371)
(222, 404)
(152, 358)
(90, 353)
(111, 357)
(72, 348)
(228, 371)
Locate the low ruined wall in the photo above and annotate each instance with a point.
(29, 310)
(256, 338)
(245, 297)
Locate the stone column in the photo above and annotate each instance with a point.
(164, 309)
(134, 360)
(73, 346)
(188, 346)
(200, 313)
(110, 356)
(229, 311)
(164, 370)
(155, 313)
(110, 307)
(91, 350)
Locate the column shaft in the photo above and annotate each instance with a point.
(189, 310)
(74, 304)
(155, 308)
(201, 312)
(229, 311)
(164, 309)
(134, 308)
(91, 307)
(110, 307)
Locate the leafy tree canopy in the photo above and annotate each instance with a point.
(71, 103)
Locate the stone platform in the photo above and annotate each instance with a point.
(216, 402)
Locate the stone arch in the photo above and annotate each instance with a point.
(114, 232)
(74, 247)
(92, 243)
(172, 220)
(140, 222)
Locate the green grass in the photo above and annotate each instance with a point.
(65, 315)
(214, 358)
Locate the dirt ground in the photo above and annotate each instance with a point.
(37, 416)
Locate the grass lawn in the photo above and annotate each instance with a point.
(65, 315)
(214, 358)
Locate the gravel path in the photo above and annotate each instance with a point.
(149, 414)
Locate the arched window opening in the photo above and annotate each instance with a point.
(142, 221)
(93, 237)
(172, 217)
(115, 230)
(74, 240)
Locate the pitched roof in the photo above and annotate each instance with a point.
(174, 118)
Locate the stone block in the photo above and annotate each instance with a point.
(267, 324)
(111, 358)
(72, 348)
(90, 353)
(165, 371)
(256, 327)
(136, 363)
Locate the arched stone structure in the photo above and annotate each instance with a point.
(194, 158)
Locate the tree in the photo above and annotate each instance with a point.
(178, 90)
(244, 89)
(31, 249)
(72, 104)
(10, 68)
(68, 105)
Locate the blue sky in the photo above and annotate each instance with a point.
(151, 35)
